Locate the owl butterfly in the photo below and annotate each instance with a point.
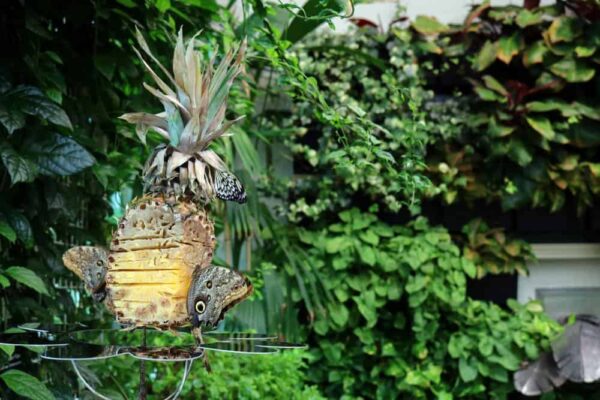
(212, 292)
(215, 290)
(90, 264)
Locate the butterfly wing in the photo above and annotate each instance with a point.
(228, 187)
(90, 264)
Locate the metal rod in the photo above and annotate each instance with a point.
(173, 396)
(186, 371)
(85, 383)
(143, 392)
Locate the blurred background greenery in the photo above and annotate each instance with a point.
(350, 141)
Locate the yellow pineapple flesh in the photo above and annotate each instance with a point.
(153, 254)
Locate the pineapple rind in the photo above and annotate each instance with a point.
(152, 257)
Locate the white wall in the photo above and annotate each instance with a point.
(564, 266)
(383, 12)
(447, 11)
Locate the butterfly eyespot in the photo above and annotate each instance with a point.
(209, 284)
(99, 263)
(200, 307)
(98, 275)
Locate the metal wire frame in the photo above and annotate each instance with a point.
(173, 396)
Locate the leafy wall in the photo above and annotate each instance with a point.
(392, 317)
(531, 139)
(500, 109)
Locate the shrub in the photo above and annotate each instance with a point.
(400, 323)
(532, 78)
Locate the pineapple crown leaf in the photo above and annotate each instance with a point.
(196, 102)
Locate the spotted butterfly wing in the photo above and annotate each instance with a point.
(228, 187)
(90, 263)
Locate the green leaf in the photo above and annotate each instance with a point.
(428, 25)
(4, 282)
(455, 347)
(303, 24)
(340, 263)
(493, 84)
(334, 245)
(11, 119)
(28, 278)
(33, 101)
(498, 130)
(338, 313)
(535, 53)
(469, 268)
(427, 46)
(519, 152)
(564, 29)
(466, 369)
(508, 47)
(7, 231)
(127, 3)
(486, 56)
(589, 110)
(355, 54)
(498, 373)
(367, 307)
(535, 306)
(60, 155)
(507, 358)
(486, 346)
(346, 215)
(20, 169)
(21, 100)
(367, 255)
(526, 18)
(321, 327)
(443, 395)
(162, 5)
(542, 125)
(416, 283)
(573, 70)
(369, 237)
(8, 349)
(394, 291)
(549, 104)
(488, 95)
(585, 51)
(26, 385)
(20, 224)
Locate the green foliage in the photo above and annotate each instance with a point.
(383, 307)
(401, 324)
(65, 159)
(364, 76)
(493, 252)
(26, 385)
(232, 376)
(70, 73)
(27, 277)
(278, 376)
(530, 140)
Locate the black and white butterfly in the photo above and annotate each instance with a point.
(228, 187)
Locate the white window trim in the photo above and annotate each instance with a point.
(566, 251)
(561, 266)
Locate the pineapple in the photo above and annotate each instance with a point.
(193, 117)
(164, 243)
